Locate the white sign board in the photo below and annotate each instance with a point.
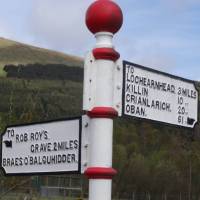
(153, 95)
(49, 147)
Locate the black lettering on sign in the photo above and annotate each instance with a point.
(43, 147)
(76, 144)
(130, 69)
(71, 158)
(181, 110)
(148, 83)
(12, 162)
(180, 119)
(39, 135)
(4, 163)
(11, 133)
(31, 160)
(180, 100)
(18, 162)
(71, 144)
(142, 101)
(36, 148)
(52, 159)
(65, 145)
(160, 105)
(21, 137)
(135, 110)
(26, 160)
(130, 78)
(187, 93)
(55, 146)
(136, 89)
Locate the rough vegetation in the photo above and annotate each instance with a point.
(45, 72)
(15, 53)
(154, 161)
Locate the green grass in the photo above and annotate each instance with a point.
(20, 196)
(25, 101)
(2, 72)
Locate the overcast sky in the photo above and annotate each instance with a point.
(162, 34)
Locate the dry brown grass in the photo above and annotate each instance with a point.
(12, 52)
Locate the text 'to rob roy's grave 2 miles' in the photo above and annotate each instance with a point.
(48, 147)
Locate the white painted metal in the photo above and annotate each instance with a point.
(32, 146)
(173, 101)
(100, 82)
(104, 39)
(89, 84)
(100, 189)
(93, 74)
(85, 143)
(118, 78)
(101, 142)
(104, 83)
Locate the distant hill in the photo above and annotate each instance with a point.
(12, 52)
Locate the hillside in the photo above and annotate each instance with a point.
(153, 161)
(12, 52)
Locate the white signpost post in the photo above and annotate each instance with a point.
(157, 96)
(48, 147)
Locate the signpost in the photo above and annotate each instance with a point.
(136, 92)
(48, 147)
(157, 96)
(103, 19)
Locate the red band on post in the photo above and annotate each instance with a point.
(102, 112)
(100, 173)
(106, 53)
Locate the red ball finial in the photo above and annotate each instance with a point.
(104, 15)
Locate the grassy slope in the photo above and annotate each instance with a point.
(12, 52)
(47, 99)
(25, 101)
(151, 154)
